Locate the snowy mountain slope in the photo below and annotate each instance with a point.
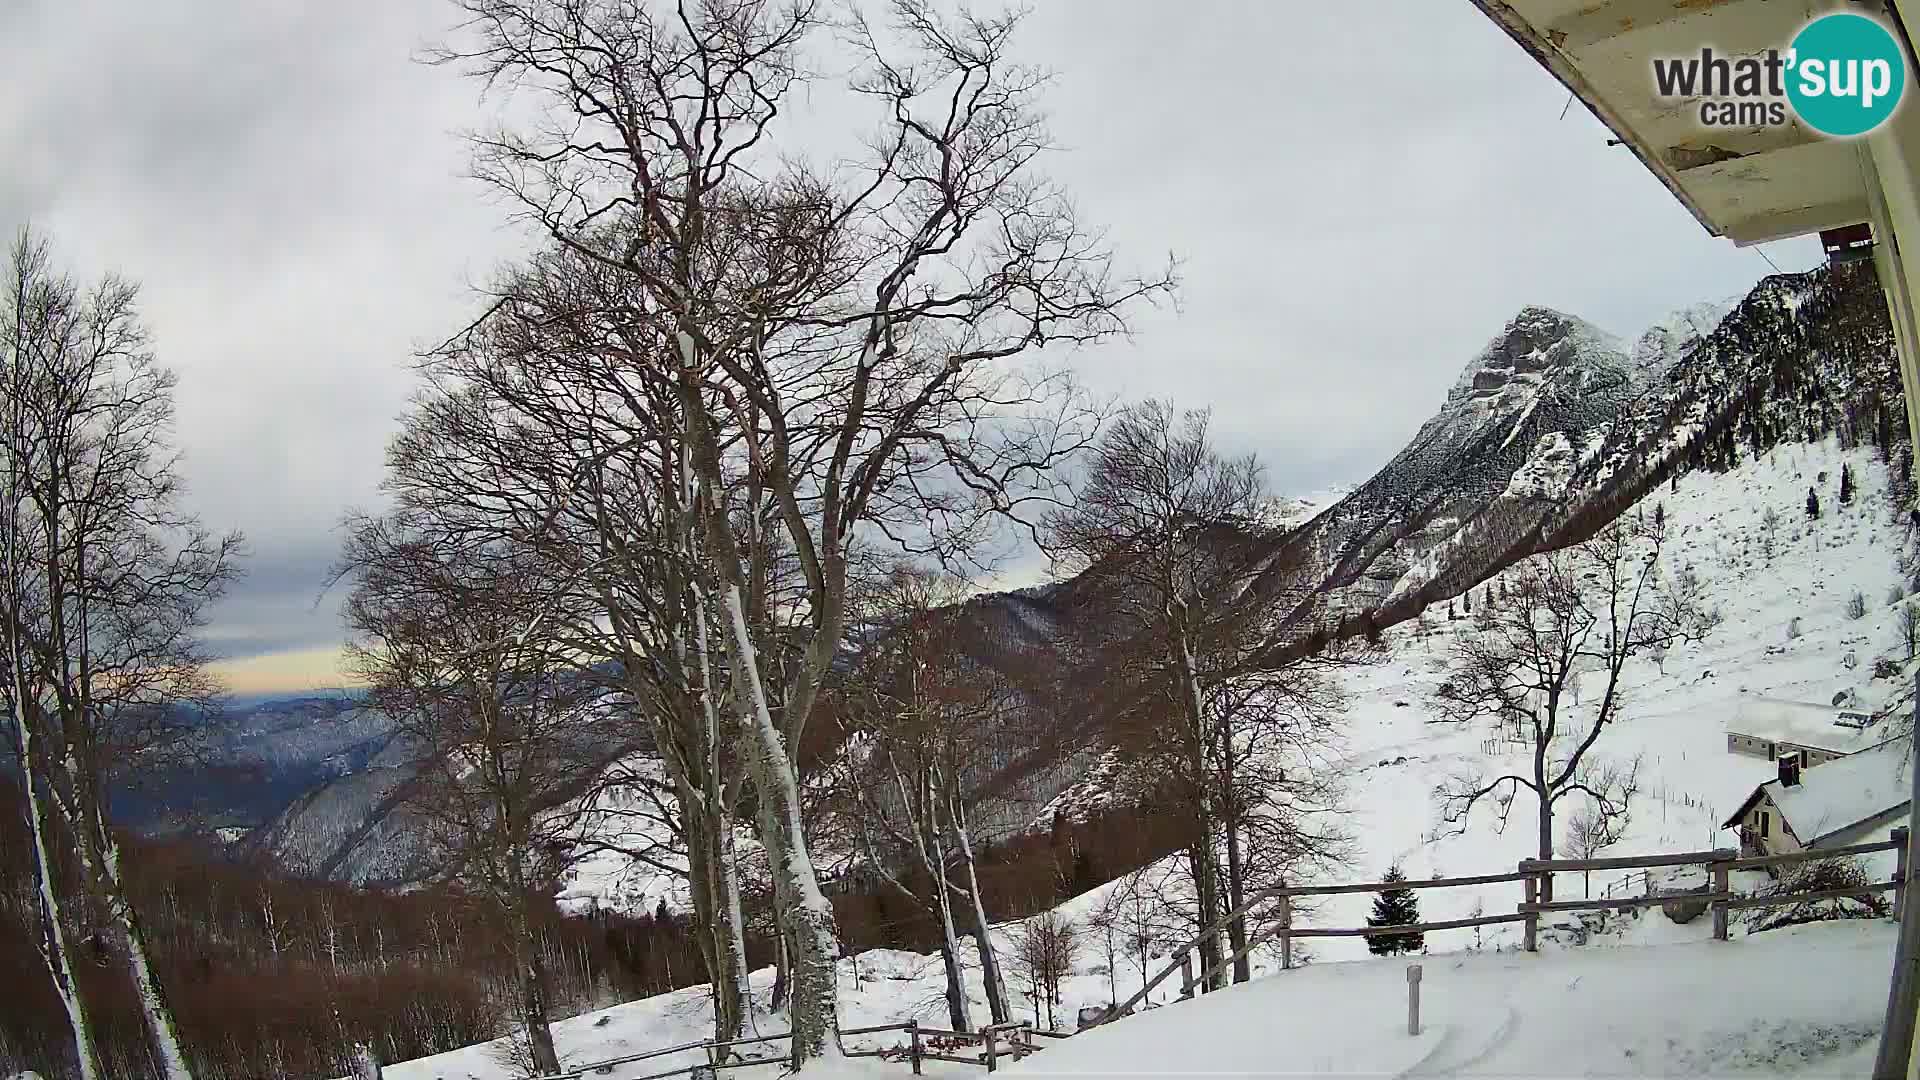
(248, 762)
(1553, 430)
(1668, 341)
(1546, 379)
(354, 829)
(1782, 591)
(1785, 632)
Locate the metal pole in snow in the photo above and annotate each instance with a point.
(1413, 999)
(1897, 1033)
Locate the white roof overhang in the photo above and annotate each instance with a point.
(1748, 184)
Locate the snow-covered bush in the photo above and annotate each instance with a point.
(1820, 876)
(1857, 606)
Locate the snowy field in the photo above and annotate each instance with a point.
(1806, 1001)
(1661, 998)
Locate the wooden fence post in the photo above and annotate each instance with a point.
(1413, 999)
(913, 1045)
(1720, 879)
(992, 1037)
(1900, 870)
(1532, 925)
(1186, 974)
(1286, 932)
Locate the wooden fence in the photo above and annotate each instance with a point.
(1536, 878)
(997, 1043)
(1012, 1041)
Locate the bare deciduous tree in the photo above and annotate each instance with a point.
(929, 726)
(104, 582)
(1590, 831)
(1588, 608)
(1044, 949)
(454, 649)
(837, 342)
(1165, 533)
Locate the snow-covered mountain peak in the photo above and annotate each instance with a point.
(1668, 340)
(1535, 344)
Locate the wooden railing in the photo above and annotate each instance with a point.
(1535, 876)
(1285, 932)
(998, 1042)
(1720, 897)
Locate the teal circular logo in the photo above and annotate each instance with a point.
(1845, 74)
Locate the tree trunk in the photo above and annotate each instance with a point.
(725, 947)
(770, 766)
(714, 893)
(1546, 842)
(534, 997)
(54, 947)
(957, 1005)
(957, 1012)
(996, 985)
(731, 943)
(162, 1032)
(1236, 896)
(1200, 853)
(1207, 904)
(782, 962)
(809, 918)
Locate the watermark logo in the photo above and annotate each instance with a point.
(1843, 75)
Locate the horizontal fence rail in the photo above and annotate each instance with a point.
(1536, 878)
(1008, 1041)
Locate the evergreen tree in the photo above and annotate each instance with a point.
(1846, 484)
(1466, 602)
(1395, 907)
(1813, 506)
(1450, 613)
(1659, 514)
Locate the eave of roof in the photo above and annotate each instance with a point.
(1747, 184)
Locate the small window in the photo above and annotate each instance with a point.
(1763, 824)
(1770, 751)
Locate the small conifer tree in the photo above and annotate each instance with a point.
(1395, 907)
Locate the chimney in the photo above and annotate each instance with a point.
(1790, 769)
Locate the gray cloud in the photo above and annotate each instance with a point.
(1361, 193)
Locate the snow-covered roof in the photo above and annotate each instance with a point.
(1800, 723)
(1844, 793)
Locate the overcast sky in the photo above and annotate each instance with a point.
(1361, 193)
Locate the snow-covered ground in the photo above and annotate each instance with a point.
(877, 987)
(1805, 1001)
(1768, 1004)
